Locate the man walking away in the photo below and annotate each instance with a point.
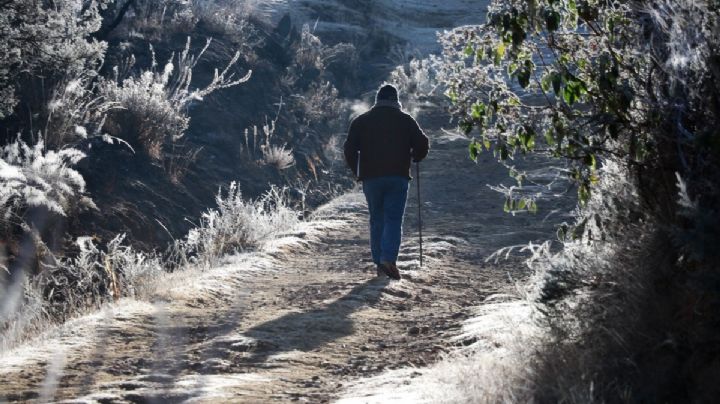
(379, 148)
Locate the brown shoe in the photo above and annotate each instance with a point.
(391, 270)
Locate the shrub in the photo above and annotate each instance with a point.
(277, 156)
(154, 103)
(318, 104)
(417, 82)
(624, 94)
(70, 285)
(238, 225)
(231, 20)
(22, 312)
(31, 176)
(30, 43)
(76, 110)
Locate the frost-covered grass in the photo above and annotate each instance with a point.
(32, 176)
(101, 273)
(238, 225)
(494, 369)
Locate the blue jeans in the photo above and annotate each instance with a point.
(386, 197)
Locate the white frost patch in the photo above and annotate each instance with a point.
(204, 387)
(73, 335)
(490, 370)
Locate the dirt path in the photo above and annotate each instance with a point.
(299, 321)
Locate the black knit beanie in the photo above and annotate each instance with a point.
(387, 92)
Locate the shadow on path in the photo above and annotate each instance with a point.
(306, 331)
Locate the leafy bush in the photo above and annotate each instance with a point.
(30, 43)
(615, 92)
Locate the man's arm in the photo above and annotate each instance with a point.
(352, 146)
(419, 141)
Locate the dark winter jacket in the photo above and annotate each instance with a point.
(387, 139)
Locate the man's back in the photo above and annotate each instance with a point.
(379, 148)
(385, 137)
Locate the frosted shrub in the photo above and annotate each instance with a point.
(69, 285)
(128, 272)
(278, 156)
(624, 94)
(312, 54)
(230, 19)
(31, 176)
(319, 103)
(418, 77)
(155, 102)
(417, 81)
(237, 224)
(75, 110)
(273, 155)
(116, 270)
(48, 37)
(22, 312)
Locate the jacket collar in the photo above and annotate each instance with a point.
(388, 103)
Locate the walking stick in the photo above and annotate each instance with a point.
(417, 174)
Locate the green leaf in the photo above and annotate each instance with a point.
(583, 194)
(504, 153)
(587, 11)
(530, 138)
(572, 14)
(452, 95)
(574, 89)
(474, 148)
(552, 20)
(466, 127)
(468, 51)
(522, 204)
(549, 137)
(562, 232)
(507, 207)
(523, 78)
(486, 143)
(590, 161)
(546, 81)
(533, 207)
(556, 79)
(499, 53)
(478, 111)
(518, 34)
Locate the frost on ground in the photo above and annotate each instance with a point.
(492, 368)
